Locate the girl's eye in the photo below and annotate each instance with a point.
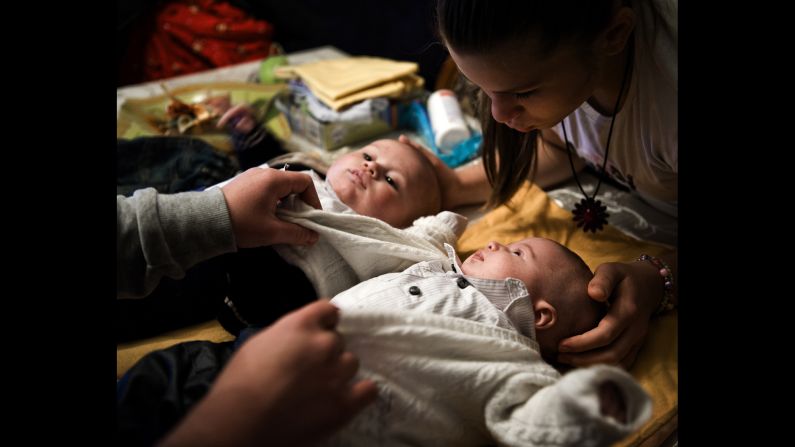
(390, 181)
(367, 157)
(523, 94)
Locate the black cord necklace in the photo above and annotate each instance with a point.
(589, 213)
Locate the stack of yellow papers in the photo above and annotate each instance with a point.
(342, 82)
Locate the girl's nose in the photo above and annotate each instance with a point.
(504, 108)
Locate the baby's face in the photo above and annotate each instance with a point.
(532, 260)
(386, 180)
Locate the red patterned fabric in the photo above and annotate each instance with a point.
(185, 36)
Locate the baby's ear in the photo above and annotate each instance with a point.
(545, 314)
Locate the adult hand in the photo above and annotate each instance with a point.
(636, 289)
(252, 198)
(449, 182)
(290, 384)
(241, 118)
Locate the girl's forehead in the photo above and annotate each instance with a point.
(512, 67)
(493, 72)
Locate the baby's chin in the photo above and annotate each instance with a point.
(333, 179)
(343, 193)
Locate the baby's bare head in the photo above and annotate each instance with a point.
(388, 180)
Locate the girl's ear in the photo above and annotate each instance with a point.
(615, 37)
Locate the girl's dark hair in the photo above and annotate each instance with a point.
(474, 26)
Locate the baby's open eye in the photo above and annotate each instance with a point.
(391, 181)
(517, 253)
(367, 156)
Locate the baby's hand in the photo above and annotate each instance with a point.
(219, 104)
(611, 402)
(240, 119)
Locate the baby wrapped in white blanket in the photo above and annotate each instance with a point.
(458, 358)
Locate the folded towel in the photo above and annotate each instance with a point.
(340, 82)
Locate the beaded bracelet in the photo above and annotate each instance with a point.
(668, 285)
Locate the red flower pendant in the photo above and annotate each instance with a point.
(590, 214)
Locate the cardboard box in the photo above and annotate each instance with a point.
(332, 135)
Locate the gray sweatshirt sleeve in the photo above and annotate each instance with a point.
(164, 235)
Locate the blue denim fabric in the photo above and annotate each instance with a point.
(170, 165)
(160, 389)
(245, 334)
(256, 147)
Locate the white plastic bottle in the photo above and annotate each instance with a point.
(447, 121)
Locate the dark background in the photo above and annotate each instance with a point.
(400, 30)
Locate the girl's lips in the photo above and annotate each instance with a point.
(520, 128)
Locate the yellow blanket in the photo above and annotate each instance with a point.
(534, 214)
(127, 354)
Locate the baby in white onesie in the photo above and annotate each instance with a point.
(381, 213)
